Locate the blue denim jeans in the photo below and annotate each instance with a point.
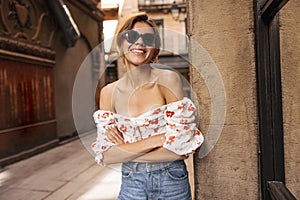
(155, 181)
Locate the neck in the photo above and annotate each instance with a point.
(138, 76)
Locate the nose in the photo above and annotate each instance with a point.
(139, 41)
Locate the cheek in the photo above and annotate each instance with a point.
(124, 47)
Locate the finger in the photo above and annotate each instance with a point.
(110, 134)
(118, 135)
(107, 132)
(110, 138)
(115, 131)
(110, 131)
(119, 138)
(114, 136)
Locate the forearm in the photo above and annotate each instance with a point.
(159, 155)
(126, 152)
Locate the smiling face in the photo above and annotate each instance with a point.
(137, 52)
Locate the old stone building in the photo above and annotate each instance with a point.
(42, 45)
(242, 61)
(255, 46)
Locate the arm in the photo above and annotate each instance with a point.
(121, 152)
(155, 154)
(145, 150)
(159, 155)
(127, 152)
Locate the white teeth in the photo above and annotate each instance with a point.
(137, 51)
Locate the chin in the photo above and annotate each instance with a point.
(138, 61)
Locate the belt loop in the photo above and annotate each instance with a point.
(134, 167)
(148, 167)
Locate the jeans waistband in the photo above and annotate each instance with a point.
(150, 166)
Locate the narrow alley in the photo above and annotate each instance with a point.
(65, 172)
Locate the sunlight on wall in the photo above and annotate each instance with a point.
(109, 28)
(109, 3)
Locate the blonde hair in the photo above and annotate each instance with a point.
(128, 24)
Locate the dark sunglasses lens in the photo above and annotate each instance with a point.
(132, 36)
(148, 39)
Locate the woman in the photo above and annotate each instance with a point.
(144, 122)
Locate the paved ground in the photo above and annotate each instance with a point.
(66, 172)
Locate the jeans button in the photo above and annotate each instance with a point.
(150, 166)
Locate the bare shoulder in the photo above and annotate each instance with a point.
(168, 77)
(106, 96)
(109, 88)
(170, 85)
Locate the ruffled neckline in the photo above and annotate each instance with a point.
(172, 104)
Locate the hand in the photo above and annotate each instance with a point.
(158, 139)
(162, 139)
(113, 135)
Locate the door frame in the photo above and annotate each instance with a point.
(270, 117)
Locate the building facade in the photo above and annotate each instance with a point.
(252, 45)
(241, 59)
(241, 63)
(42, 45)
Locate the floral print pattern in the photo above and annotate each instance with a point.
(176, 120)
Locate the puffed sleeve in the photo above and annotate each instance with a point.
(182, 135)
(103, 119)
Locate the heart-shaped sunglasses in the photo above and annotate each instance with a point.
(132, 36)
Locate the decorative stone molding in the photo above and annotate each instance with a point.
(27, 28)
(26, 48)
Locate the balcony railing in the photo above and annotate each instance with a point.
(159, 2)
(162, 6)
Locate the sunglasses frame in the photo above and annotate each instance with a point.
(145, 41)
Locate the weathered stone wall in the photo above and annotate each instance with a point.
(68, 62)
(290, 74)
(224, 28)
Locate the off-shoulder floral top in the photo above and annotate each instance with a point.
(176, 120)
